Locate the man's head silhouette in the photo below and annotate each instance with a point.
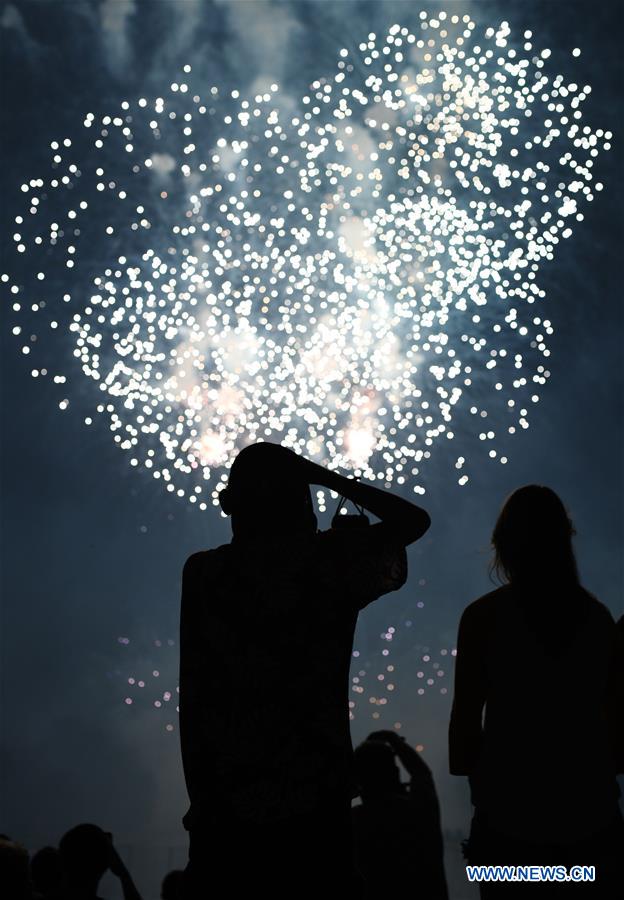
(85, 853)
(267, 492)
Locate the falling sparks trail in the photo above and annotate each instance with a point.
(355, 276)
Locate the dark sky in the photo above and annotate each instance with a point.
(92, 552)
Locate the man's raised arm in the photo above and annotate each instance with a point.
(406, 521)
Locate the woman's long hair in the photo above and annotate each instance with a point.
(532, 539)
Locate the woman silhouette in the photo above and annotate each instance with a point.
(537, 713)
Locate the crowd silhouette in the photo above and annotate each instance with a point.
(280, 803)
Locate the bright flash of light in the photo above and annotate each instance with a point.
(354, 275)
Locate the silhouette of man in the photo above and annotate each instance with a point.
(267, 626)
(87, 853)
(398, 841)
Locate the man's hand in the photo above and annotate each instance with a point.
(405, 521)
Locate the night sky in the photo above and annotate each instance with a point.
(92, 551)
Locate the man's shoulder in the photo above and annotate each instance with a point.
(203, 560)
(368, 560)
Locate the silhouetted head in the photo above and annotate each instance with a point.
(267, 492)
(376, 770)
(172, 885)
(14, 871)
(532, 538)
(85, 853)
(46, 871)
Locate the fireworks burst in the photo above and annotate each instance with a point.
(354, 275)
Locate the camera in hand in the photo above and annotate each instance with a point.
(359, 520)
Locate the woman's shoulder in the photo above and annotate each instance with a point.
(487, 605)
(479, 618)
(596, 610)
